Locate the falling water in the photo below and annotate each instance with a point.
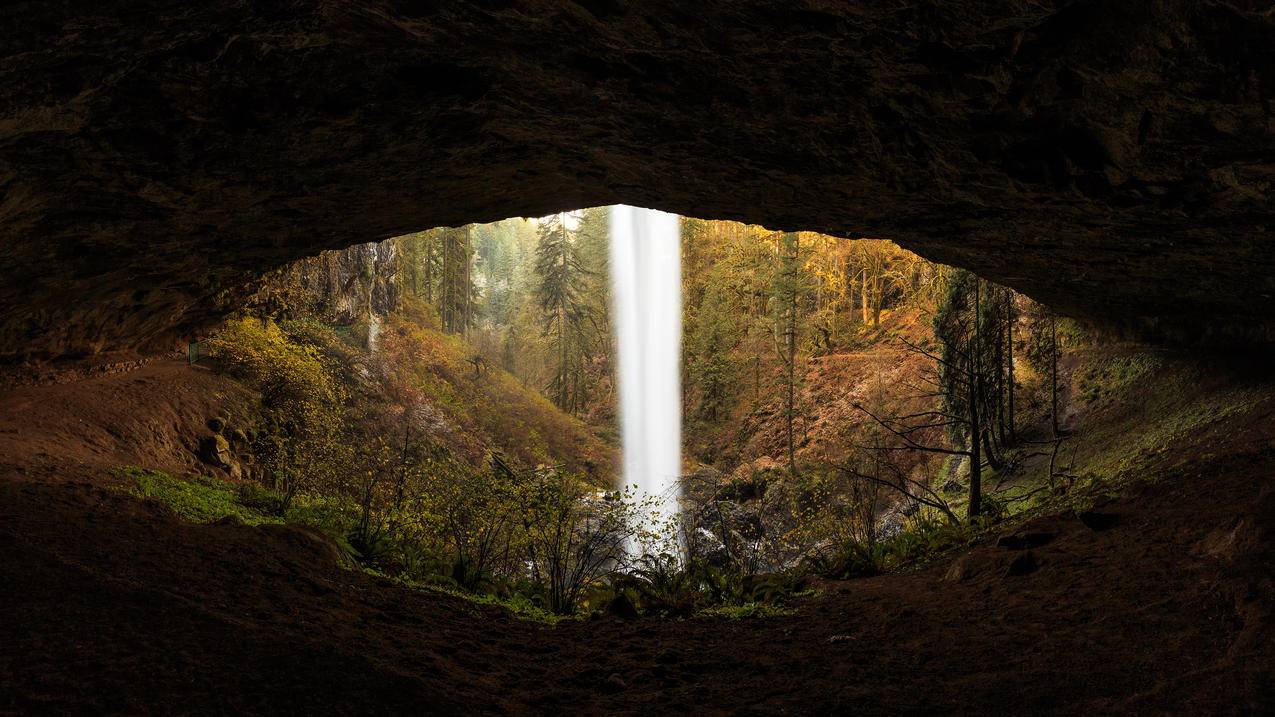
(646, 290)
(373, 330)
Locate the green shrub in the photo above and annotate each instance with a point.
(261, 499)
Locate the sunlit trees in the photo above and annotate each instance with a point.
(455, 291)
(560, 276)
(786, 293)
(711, 342)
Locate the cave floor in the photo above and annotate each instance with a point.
(112, 605)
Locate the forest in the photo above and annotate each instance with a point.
(443, 405)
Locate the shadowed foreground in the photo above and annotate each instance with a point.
(114, 605)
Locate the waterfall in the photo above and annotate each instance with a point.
(646, 294)
(373, 330)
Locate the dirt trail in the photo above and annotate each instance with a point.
(112, 605)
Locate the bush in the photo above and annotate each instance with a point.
(302, 446)
(261, 499)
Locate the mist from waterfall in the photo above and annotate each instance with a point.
(646, 295)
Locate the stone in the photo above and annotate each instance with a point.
(615, 683)
(155, 170)
(215, 451)
(890, 525)
(959, 571)
(216, 424)
(1024, 563)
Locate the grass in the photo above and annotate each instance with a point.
(203, 499)
(519, 605)
(198, 500)
(747, 610)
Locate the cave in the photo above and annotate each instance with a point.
(1112, 161)
(162, 165)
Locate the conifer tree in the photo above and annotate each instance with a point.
(560, 274)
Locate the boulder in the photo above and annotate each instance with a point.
(215, 451)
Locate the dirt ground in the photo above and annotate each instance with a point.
(112, 605)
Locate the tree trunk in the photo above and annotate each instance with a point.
(429, 268)
(976, 458)
(1053, 370)
(791, 331)
(1000, 383)
(466, 254)
(1009, 348)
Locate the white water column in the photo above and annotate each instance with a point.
(646, 296)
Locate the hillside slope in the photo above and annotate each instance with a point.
(476, 406)
(117, 606)
(878, 371)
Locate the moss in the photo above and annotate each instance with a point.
(199, 500)
(517, 604)
(747, 610)
(205, 500)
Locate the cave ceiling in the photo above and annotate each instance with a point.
(1112, 159)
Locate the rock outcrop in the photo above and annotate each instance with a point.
(1114, 160)
(342, 286)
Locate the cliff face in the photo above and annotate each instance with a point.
(1115, 160)
(342, 286)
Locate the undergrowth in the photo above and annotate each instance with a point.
(203, 499)
(664, 587)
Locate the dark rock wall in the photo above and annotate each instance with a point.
(342, 286)
(1114, 159)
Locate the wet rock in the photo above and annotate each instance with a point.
(705, 543)
(890, 525)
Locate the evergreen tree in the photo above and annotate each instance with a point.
(786, 293)
(712, 339)
(561, 276)
(455, 295)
